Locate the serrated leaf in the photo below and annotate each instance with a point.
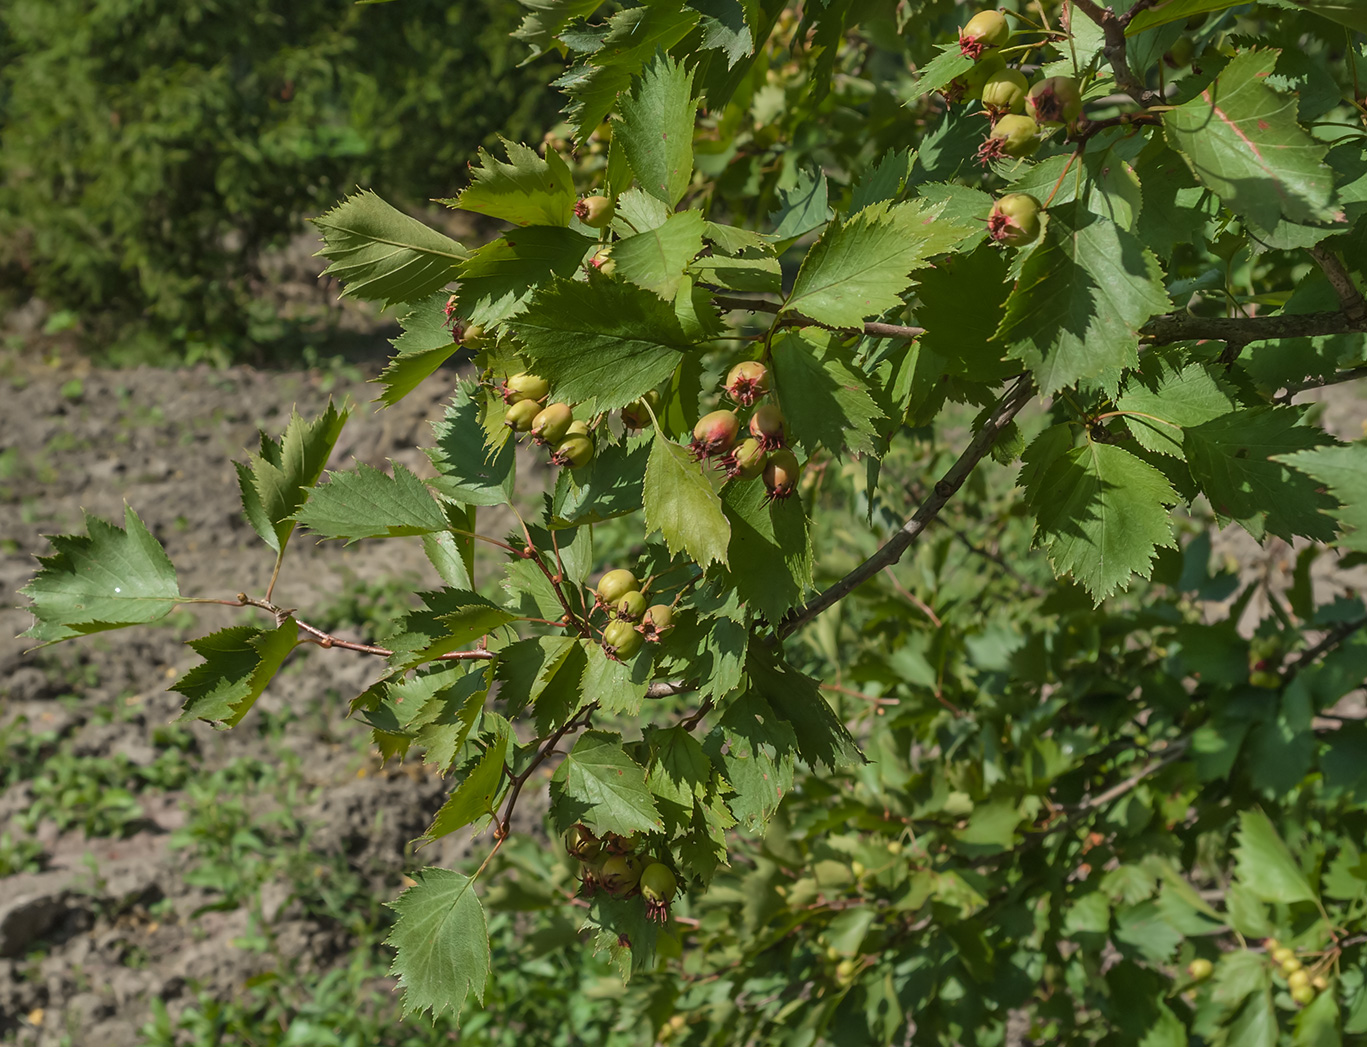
(424, 345)
(1265, 866)
(527, 667)
(604, 343)
(884, 181)
(656, 129)
(825, 402)
(451, 619)
(441, 943)
(859, 269)
(476, 795)
(963, 337)
(238, 664)
(617, 686)
(1079, 301)
(656, 259)
(1101, 514)
(638, 212)
(821, 737)
(609, 486)
(380, 254)
(370, 504)
(680, 772)
(527, 190)
(756, 751)
(770, 553)
(1343, 469)
(107, 578)
(275, 482)
(466, 473)
(1317, 1025)
(1172, 10)
(936, 74)
(802, 207)
(632, 38)
(450, 715)
(1235, 460)
(680, 503)
(758, 274)
(1166, 397)
(730, 240)
(498, 280)
(547, 19)
(599, 785)
(1241, 140)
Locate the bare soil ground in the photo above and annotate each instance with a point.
(98, 926)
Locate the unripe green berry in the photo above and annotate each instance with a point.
(575, 450)
(1013, 135)
(745, 461)
(603, 262)
(985, 30)
(582, 844)
(1200, 969)
(658, 887)
(1303, 995)
(616, 584)
(657, 618)
(630, 607)
(1004, 92)
(1014, 220)
(747, 382)
(715, 433)
(1281, 954)
(621, 639)
(1298, 978)
(594, 211)
(636, 415)
(520, 415)
(474, 336)
(552, 424)
(1291, 966)
(620, 873)
(1055, 100)
(970, 85)
(521, 387)
(781, 474)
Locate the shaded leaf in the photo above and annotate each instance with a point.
(680, 503)
(441, 943)
(238, 664)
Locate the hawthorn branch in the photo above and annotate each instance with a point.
(1332, 639)
(1350, 298)
(326, 639)
(1240, 330)
(1113, 26)
(1339, 377)
(873, 329)
(892, 550)
(574, 723)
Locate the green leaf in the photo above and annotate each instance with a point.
(825, 402)
(104, 579)
(617, 686)
(604, 343)
(369, 504)
(885, 181)
(451, 620)
(936, 74)
(802, 207)
(449, 716)
(1172, 11)
(1317, 1025)
(527, 190)
(275, 482)
(756, 751)
(731, 240)
(1343, 469)
(769, 558)
(238, 664)
(1101, 513)
(1265, 866)
(656, 259)
(680, 772)
(821, 737)
(476, 796)
(1256, 1023)
(1235, 458)
(527, 667)
(499, 279)
(1241, 139)
(441, 943)
(963, 337)
(860, 268)
(760, 274)
(1345, 12)
(466, 472)
(656, 129)
(1166, 397)
(681, 504)
(609, 486)
(425, 345)
(1080, 300)
(380, 254)
(547, 19)
(632, 38)
(599, 785)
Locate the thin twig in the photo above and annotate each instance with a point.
(874, 699)
(1174, 752)
(1332, 639)
(579, 719)
(1350, 298)
(666, 689)
(1113, 26)
(892, 550)
(1350, 375)
(912, 598)
(873, 329)
(1183, 327)
(326, 639)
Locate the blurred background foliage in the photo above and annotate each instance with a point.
(153, 151)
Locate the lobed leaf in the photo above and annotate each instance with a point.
(656, 129)
(599, 785)
(370, 504)
(238, 664)
(680, 503)
(527, 190)
(441, 943)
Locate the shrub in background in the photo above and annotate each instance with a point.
(150, 150)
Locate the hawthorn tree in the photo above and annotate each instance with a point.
(826, 319)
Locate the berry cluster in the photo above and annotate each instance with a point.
(1017, 109)
(765, 451)
(630, 621)
(1302, 984)
(551, 425)
(611, 865)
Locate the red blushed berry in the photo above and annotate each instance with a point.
(747, 382)
(714, 434)
(781, 474)
(767, 426)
